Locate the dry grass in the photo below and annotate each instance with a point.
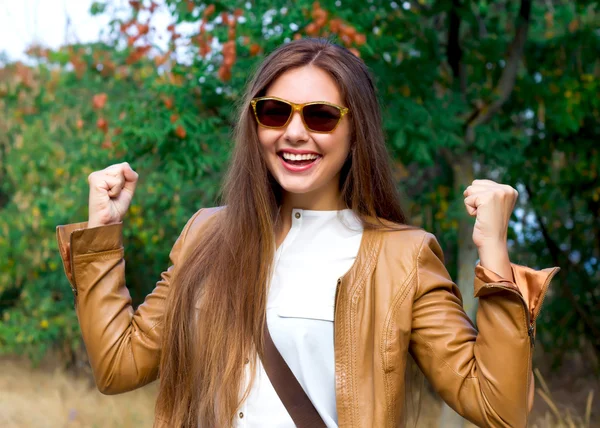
(35, 398)
(45, 398)
(561, 416)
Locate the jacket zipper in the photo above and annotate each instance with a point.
(74, 285)
(530, 332)
(337, 289)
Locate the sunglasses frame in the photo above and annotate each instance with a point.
(300, 109)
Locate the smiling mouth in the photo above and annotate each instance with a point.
(298, 160)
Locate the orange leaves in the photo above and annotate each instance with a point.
(225, 18)
(229, 53)
(76, 60)
(312, 29)
(229, 57)
(254, 49)
(224, 73)
(99, 101)
(168, 102)
(142, 28)
(102, 124)
(210, 9)
(360, 39)
(137, 54)
(161, 59)
(319, 15)
(174, 117)
(322, 26)
(180, 132)
(574, 25)
(204, 47)
(25, 75)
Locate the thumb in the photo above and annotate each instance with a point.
(131, 178)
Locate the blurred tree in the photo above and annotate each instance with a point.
(503, 90)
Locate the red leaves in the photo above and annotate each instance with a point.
(180, 132)
(161, 59)
(225, 18)
(229, 49)
(349, 35)
(360, 39)
(254, 49)
(102, 124)
(143, 28)
(210, 9)
(224, 73)
(168, 102)
(137, 54)
(312, 29)
(99, 101)
(229, 57)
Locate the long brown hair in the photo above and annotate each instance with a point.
(216, 308)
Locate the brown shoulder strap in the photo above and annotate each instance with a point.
(288, 388)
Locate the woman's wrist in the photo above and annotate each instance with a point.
(494, 256)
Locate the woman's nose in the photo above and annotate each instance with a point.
(295, 130)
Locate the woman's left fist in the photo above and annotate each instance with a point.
(492, 204)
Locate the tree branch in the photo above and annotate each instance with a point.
(506, 83)
(454, 52)
(557, 254)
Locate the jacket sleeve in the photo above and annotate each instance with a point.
(485, 376)
(123, 345)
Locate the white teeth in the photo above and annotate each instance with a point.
(294, 157)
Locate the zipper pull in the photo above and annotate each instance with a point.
(531, 335)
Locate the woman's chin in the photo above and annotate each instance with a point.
(295, 188)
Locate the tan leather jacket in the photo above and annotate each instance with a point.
(397, 298)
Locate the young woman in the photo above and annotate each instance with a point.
(312, 241)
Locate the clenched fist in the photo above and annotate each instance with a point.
(492, 204)
(111, 192)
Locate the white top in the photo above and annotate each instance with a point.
(320, 247)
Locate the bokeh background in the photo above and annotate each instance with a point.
(506, 90)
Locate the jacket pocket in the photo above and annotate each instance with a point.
(305, 309)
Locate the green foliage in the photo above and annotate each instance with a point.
(170, 114)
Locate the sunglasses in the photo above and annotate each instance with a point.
(317, 116)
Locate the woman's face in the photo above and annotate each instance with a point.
(318, 177)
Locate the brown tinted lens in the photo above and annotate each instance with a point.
(321, 117)
(272, 112)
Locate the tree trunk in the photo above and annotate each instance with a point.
(467, 259)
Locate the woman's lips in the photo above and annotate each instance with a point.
(298, 168)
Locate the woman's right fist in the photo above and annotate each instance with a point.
(111, 191)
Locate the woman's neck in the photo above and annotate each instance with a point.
(325, 200)
(315, 201)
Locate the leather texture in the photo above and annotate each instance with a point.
(397, 298)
